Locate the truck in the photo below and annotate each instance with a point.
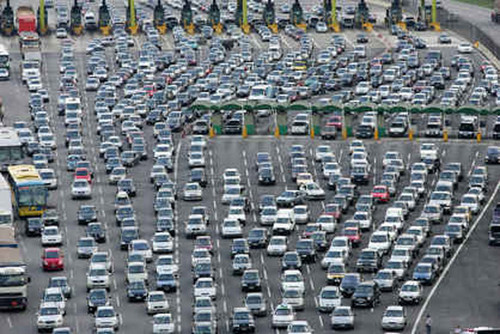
(30, 45)
(13, 276)
(6, 216)
(26, 19)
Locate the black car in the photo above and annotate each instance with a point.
(137, 291)
(305, 248)
(87, 214)
(291, 260)
(367, 294)
(349, 284)
(233, 126)
(364, 131)
(360, 174)
(202, 269)
(492, 155)
(198, 175)
(266, 176)
(126, 185)
(50, 217)
(361, 38)
(128, 234)
(242, 321)
(96, 231)
(34, 227)
(257, 237)
(251, 281)
(96, 298)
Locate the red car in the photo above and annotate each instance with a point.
(336, 121)
(333, 210)
(381, 194)
(83, 174)
(52, 259)
(150, 90)
(354, 236)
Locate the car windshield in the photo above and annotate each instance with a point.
(49, 311)
(422, 269)
(283, 311)
(52, 255)
(394, 313)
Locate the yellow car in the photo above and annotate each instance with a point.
(335, 273)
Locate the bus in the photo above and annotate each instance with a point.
(29, 191)
(4, 57)
(11, 149)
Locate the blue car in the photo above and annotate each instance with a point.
(166, 282)
(425, 273)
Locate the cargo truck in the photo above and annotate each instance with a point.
(6, 217)
(13, 278)
(26, 19)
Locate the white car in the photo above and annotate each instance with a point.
(342, 317)
(299, 327)
(472, 202)
(364, 219)
(199, 140)
(464, 48)
(205, 287)
(301, 214)
(142, 247)
(105, 317)
(193, 192)
(196, 159)
(336, 255)
(198, 256)
(98, 277)
(231, 228)
(117, 174)
(166, 264)
(49, 317)
(329, 298)
(156, 302)
(321, 151)
(268, 215)
(394, 318)
(155, 171)
(81, 189)
(411, 292)
(293, 297)
(292, 279)
(277, 246)
(401, 254)
(331, 168)
(399, 267)
(231, 173)
(136, 271)
(163, 323)
(49, 178)
(51, 236)
(162, 243)
(283, 315)
(313, 191)
(381, 242)
(237, 213)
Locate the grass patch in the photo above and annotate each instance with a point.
(482, 3)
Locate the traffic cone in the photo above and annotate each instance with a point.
(277, 132)
(244, 132)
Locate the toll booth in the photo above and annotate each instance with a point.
(187, 17)
(104, 19)
(269, 16)
(394, 14)
(214, 17)
(7, 20)
(76, 26)
(362, 17)
(159, 18)
(297, 16)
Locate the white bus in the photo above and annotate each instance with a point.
(11, 149)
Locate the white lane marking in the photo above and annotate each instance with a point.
(9, 322)
(117, 301)
(321, 320)
(453, 259)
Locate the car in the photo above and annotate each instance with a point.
(106, 316)
(96, 298)
(81, 189)
(162, 242)
(283, 315)
(444, 39)
(167, 281)
(342, 317)
(86, 247)
(381, 194)
(394, 318)
(34, 227)
(87, 214)
(256, 303)
(98, 277)
(465, 48)
(425, 273)
(242, 320)
(329, 298)
(96, 231)
(205, 287)
(51, 236)
(386, 279)
(367, 294)
(251, 280)
(411, 292)
(292, 279)
(141, 246)
(137, 290)
(193, 192)
(163, 323)
(277, 246)
(49, 316)
(52, 259)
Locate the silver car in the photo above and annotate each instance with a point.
(342, 318)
